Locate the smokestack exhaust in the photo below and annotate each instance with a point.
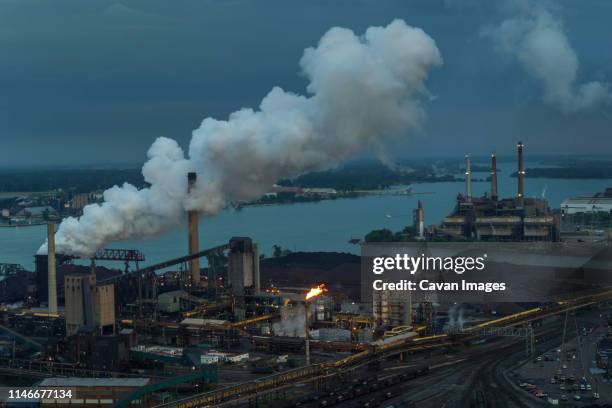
(494, 195)
(194, 236)
(396, 54)
(51, 272)
(468, 178)
(521, 175)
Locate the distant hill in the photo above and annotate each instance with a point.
(583, 169)
(78, 180)
(339, 271)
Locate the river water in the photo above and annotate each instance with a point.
(325, 225)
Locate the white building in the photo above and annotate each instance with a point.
(586, 205)
(237, 358)
(209, 359)
(213, 357)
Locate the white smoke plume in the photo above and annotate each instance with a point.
(362, 91)
(535, 36)
(292, 323)
(456, 320)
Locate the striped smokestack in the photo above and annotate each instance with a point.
(521, 175)
(51, 272)
(194, 236)
(494, 195)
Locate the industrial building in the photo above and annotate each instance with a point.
(241, 265)
(490, 218)
(88, 304)
(391, 308)
(598, 202)
(171, 333)
(487, 218)
(177, 301)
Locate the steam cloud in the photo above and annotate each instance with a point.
(292, 324)
(456, 320)
(536, 38)
(362, 91)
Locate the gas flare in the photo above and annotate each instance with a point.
(316, 291)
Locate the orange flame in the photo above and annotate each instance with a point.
(316, 291)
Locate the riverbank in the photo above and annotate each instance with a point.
(19, 225)
(325, 225)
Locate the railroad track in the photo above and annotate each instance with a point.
(256, 387)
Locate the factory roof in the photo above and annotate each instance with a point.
(94, 382)
(588, 200)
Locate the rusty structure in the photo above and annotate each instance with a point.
(194, 236)
(490, 218)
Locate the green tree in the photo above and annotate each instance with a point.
(380, 235)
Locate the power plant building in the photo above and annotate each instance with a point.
(510, 219)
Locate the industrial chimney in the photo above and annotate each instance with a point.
(256, 272)
(521, 175)
(194, 237)
(494, 195)
(468, 179)
(421, 220)
(51, 272)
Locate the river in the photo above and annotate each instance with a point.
(325, 225)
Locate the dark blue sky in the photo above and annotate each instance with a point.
(97, 81)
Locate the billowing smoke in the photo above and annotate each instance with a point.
(456, 320)
(362, 91)
(292, 323)
(536, 38)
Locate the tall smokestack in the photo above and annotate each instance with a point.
(194, 236)
(256, 276)
(421, 220)
(468, 179)
(307, 332)
(493, 177)
(51, 273)
(521, 174)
